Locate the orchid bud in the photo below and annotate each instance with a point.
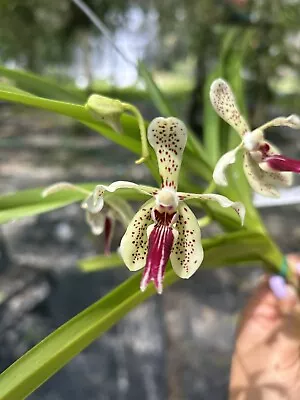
(106, 109)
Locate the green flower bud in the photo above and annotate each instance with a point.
(107, 110)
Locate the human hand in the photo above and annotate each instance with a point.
(266, 360)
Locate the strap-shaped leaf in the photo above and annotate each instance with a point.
(100, 262)
(40, 85)
(79, 113)
(25, 203)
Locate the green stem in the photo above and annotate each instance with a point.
(210, 188)
(140, 120)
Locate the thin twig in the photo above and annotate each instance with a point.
(102, 28)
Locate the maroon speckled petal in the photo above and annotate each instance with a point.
(281, 163)
(159, 248)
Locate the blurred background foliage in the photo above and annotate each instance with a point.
(180, 41)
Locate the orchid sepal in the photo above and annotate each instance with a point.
(95, 201)
(227, 159)
(224, 202)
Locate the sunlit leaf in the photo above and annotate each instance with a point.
(24, 203)
(100, 262)
(155, 93)
(40, 85)
(79, 113)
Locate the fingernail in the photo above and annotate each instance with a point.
(288, 303)
(278, 286)
(298, 268)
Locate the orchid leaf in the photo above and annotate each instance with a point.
(193, 145)
(40, 85)
(25, 203)
(79, 113)
(155, 93)
(100, 262)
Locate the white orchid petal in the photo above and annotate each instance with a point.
(134, 244)
(187, 252)
(57, 187)
(292, 121)
(95, 202)
(149, 190)
(262, 182)
(96, 222)
(238, 207)
(224, 103)
(227, 159)
(277, 178)
(168, 138)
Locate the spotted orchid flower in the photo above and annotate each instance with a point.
(264, 166)
(115, 209)
(164, 227)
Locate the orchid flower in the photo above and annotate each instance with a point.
(164, 227)
(115, 209)
(264, 167)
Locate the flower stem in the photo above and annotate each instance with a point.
(140, 120)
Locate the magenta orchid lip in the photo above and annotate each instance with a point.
(278, 162)
(161, 240)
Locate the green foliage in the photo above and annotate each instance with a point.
(100, 262)
(40, 86)
(25, 203)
